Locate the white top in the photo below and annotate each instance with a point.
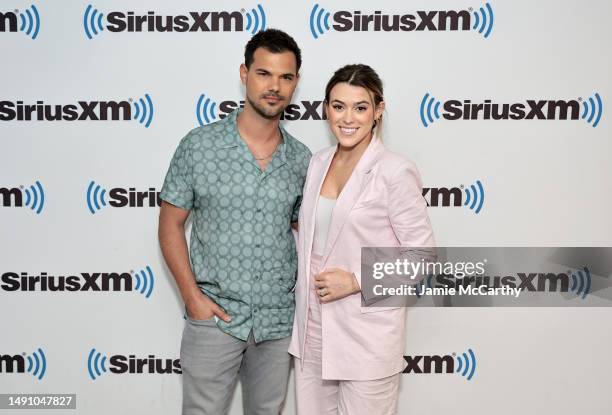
(325, 207)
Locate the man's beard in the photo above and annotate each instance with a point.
(269, 114)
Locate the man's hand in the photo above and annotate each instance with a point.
(201, 307)
(334, 284)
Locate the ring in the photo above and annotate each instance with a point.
(321, 292)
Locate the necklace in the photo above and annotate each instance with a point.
(269, 155)
(266, 157)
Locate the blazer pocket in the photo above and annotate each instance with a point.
(373, 309)
(362, 204)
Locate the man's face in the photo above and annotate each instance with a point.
(270, 82)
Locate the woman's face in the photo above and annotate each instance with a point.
(351, 114)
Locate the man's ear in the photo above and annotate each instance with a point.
(243, 73)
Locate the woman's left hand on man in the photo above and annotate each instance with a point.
(334, 284)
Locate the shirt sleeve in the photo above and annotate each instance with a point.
(178, 185)
(296, 209)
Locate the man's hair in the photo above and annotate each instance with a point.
(275, 41)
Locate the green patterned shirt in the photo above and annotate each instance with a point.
(242, 249)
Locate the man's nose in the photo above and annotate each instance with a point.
(274, 84)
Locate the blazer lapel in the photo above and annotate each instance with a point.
(351, 192)
(318, 171)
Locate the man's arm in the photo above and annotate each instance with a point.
(174, 248)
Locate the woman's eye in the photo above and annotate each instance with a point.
(337, 107)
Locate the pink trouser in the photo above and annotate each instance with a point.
(316, 396)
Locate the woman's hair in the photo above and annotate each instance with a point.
(363, 76)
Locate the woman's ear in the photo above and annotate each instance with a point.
(380, 108)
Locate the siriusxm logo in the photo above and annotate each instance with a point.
(525, 281)
(95, 22)
(95, 197)
(142, 282)
(581, 282)
(432, 110)
(32, 197)
(454, 196)
(208, 111)
(36, 363)
(140, 110)
(27, 22)
(120, 364)
(463, 364)
(480, 20)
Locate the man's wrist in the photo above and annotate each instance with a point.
(193, 296)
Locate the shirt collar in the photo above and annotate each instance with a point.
(231, 138)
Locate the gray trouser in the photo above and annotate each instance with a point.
(211, 361)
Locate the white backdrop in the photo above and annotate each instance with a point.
(544, 183)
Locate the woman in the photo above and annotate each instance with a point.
(348, 358)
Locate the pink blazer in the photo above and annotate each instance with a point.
(381, 205)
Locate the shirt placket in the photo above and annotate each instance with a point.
(256, 306)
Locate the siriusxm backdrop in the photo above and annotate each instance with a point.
(501, 104)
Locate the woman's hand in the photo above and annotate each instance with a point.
(334, 284)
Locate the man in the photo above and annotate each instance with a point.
(241, 178)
